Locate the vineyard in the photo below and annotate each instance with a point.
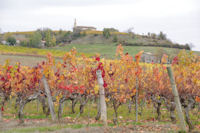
(126, 83)
(24, 51)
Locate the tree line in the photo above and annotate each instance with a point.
(39, 38)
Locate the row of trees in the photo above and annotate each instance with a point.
(40, 37)
(160, 36)
(107, 34)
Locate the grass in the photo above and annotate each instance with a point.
(81, 121)
(31, 111)
(32, 56)
(57, 127)
(18, 50)
(35, 129)
(90, 111)
(51, 128)
(24, 60)
(109, 50)
(106, 50)
(47, 128)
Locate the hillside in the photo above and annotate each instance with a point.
(89, 43)
(49, 38)
(31, 56)
(108, 50)
(128, 40)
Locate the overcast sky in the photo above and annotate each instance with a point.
(179, 19)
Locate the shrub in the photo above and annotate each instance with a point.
(115, 39)
(162, 36)
(11, 40)
(106, 33)
(24, 43)
(76, 35)
(153, 35)
(35, 40)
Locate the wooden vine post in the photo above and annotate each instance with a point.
(176, 98)
(136, 100)
(103, 108)
(50, 101)
(1, 106)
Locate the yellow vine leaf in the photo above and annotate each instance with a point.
(96, 89)
(164, 59)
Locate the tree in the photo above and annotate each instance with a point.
(106, 33)
(43, 32)
(48, 38)
(24, 43)
(130, 30)
(115, 39)
(190, 45)
(153, 35)
(64, 37)
(60, 31)
(162, 36)
(11, 40)
(53, 41)
(35, 39)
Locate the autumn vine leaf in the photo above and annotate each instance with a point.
(119, 50)
(164, 59)
(138, 57)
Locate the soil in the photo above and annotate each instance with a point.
(34, 123)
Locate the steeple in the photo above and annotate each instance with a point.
(74, 23)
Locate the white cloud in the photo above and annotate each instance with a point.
(180, 19)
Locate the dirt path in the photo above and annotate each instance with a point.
(44, 125)
(124, 129)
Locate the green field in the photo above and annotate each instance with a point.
(109, 50)
(31, 56)
(24, 60)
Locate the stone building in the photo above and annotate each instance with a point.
(149, 58)
(78, 29)
(3, 42)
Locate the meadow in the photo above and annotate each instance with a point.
(29, 56)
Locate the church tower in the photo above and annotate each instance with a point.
(75, 23)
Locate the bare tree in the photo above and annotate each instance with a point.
(130, 30)
(191, 45)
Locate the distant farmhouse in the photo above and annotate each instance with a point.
(4, 42)
(78, 29)
(148, 57)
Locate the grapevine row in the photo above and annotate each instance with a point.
(75, 79)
